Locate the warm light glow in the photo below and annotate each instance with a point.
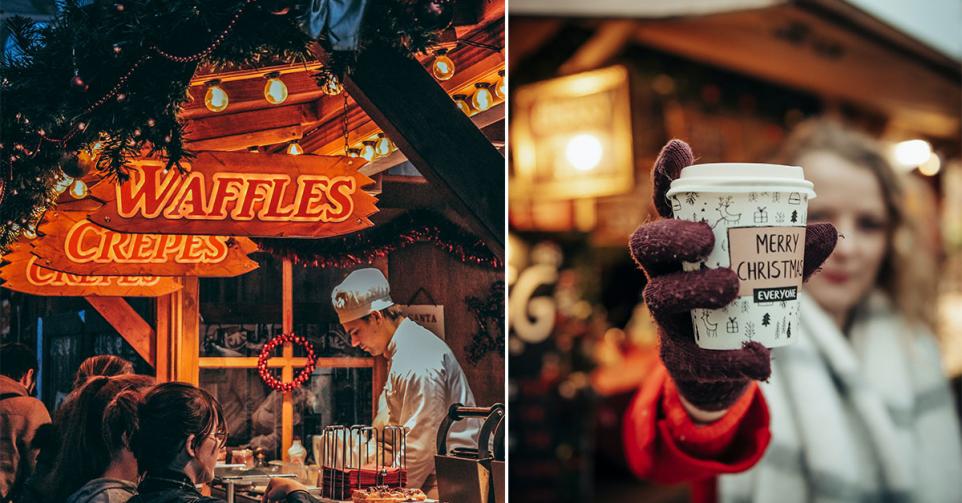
(332, 87)
(79, 189)
(353, 152)
(367, 151)
(584, 152)
(500, 87)
(294, 148)
(442, 67)
(482, 98)
(63, 184)
(932, 166)
(383, 146)
(216, 98)
(462, 102)
(30, 232)
(911, 153)
(275, 91)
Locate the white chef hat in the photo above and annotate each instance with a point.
(361, 293)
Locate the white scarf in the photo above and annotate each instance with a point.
(868, 418)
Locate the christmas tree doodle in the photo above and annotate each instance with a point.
(788, 331)
(766, 320)
(749, 330)
(794, 216)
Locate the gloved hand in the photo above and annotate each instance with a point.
(711, 380)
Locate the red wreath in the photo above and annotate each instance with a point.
(301, 377)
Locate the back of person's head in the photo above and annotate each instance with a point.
(101, 365)
(168, 415)
(16, 360)
(101, 417)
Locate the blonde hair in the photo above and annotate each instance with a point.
(904, 275)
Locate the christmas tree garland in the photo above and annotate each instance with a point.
(108, 79)
(364, 247)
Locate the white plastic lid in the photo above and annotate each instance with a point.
(742, 177)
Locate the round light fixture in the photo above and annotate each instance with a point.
(79, 189)
(294, 148)
(215, 99)
(275, 90)
(368, 151)
(482, 99)
(584, 152)
(461, 100)
(382, 146)
(500, 86)
(442, 68)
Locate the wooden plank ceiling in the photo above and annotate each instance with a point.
(313, 118)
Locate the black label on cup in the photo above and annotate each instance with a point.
(775, 294)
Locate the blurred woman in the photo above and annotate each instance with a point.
(181, 431)
(857, 409)
(95, 463)
(101, 365)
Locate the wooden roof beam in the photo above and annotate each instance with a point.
(442, 143)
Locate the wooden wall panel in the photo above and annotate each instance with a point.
(449, 282)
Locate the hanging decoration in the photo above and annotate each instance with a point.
(366, 246)
(301, 377)
(119, 74)
(488, 313)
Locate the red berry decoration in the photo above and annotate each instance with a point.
(301, 376)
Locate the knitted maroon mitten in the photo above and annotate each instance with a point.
(709, 379)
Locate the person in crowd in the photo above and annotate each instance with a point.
(856, 409)
(20, 417)
(181, 432)
(95, 464)
(424, 380)
(101, 365)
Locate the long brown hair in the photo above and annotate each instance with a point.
(101, 365)
(84, 453)
(168, 415)
(909, 283)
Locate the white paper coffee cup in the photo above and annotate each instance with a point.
(758, 214)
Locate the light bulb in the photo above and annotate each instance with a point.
(911, 153)
(442, 67)
(332, 87)
(216, 99)
(367, 151)
(30, 232)
(63, 184)
(500, 88)
(294, 148)
(79, 189)
(584, 152)
(482, 98)
(275, 91)
(461, 100)
(931, 166)
(354, 152)
(382, 147)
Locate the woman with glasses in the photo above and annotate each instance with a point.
(182, 429)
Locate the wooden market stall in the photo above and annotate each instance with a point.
(428, 151)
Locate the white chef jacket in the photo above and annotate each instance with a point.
(424, 379)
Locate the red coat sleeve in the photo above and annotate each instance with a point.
(663, 444)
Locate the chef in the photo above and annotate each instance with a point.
(424, 378)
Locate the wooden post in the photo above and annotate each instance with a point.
(162, 368)
(442, 143)
(287, 371)
(187, 342)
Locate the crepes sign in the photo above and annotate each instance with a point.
(22, 272)
(240, 194)
(73, 244)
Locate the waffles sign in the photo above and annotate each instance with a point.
(73, 244)
(241, 194)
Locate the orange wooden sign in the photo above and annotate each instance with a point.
(24, 274)
(240, 194)
(73, 244)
